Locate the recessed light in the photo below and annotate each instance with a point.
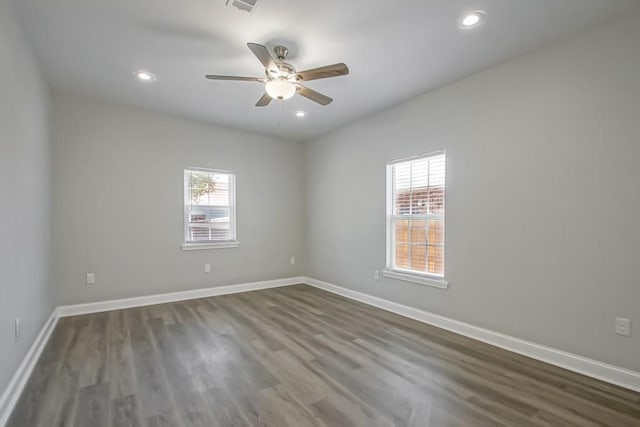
(472, 19)
(144, 76)
(300, 114)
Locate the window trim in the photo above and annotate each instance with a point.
(411, 276)
(212, 244)
(391, 271)
(209, 245)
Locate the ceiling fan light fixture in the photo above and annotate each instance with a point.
(280, 89)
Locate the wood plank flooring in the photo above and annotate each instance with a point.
(296, 356)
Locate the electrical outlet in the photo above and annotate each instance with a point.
(623, 326)
(376, 275)
(207, 268)
(91, 279)
(17, 327)
(292, 260)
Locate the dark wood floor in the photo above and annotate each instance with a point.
(296, 356)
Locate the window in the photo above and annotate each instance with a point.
(415, 219)
(209, 209)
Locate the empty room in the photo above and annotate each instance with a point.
(332, 214)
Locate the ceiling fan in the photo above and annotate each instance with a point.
(282, 80)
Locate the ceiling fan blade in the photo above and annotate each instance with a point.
(334, 70)
(263, 55)
(313, 95)
(264, 101)
(242, 79)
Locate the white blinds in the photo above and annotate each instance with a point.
(417, 185)
(416, 217)
(209, 211)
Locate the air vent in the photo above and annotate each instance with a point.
(243, 5)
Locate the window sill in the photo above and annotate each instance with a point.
(416, 278)
(209, 245)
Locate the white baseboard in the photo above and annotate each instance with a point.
(593, 368)
(572, 362)
(20, 377)
(119, 304)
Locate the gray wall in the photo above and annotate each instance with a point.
(25, 209)
(543, 202)
(111, 163)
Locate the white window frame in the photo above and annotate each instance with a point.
(391, 271)
(211, 244)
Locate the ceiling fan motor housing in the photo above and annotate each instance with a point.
(283, 71)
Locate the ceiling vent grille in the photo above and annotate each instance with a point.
(243, 5)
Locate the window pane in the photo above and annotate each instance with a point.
(220, 229)
(435, 200)
(403, 202)
(418, 232)
(418, 257)
(435, 256)
(402, 231)
(402, 255)
(436, 232)
(419, 200)
(435, 249)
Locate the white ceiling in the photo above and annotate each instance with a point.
(395, 50)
